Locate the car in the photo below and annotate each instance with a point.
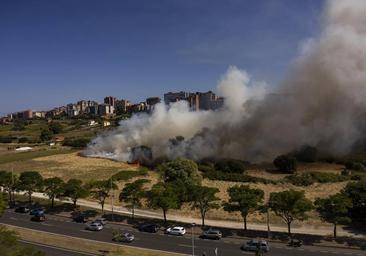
(38, 217)
(102, 221)
(212, 234)
(81, 218)
(22, 209)
(150, 228)
(255, 245)
(123, 237)
(295, 242)
(94, 226)
(36, 211)
(177, 231)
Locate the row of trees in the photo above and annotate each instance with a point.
(180, 182)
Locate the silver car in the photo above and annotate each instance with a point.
(94, 226)
(212, 234)
(256, 245)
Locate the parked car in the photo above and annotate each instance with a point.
(295, 242)
(101, 220)
(150, 228)
(123, 237)
(81, 218)
(255, 245)
(94, 226)
(22, 209)
(212, 234)
(177, 231)
(36, 211)
(38, 217)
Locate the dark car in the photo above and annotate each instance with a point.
(36, 211)
(81, 218)
(38, 217)
(295, 242)
(150, 228)
(22, 209)
(212, 234)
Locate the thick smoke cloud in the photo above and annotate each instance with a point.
(320, 103)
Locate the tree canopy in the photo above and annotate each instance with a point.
(357, 192)
(286, 163)
(54, 187)
(334, 209)
(245, 200)
(75, 190)
(290, 205)
(204, 199)
(132, 193)
(30, 182)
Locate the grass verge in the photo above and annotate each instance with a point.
(21, 156)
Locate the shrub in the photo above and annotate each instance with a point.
(235, 177)
(230, 166)
(76, 143)
(6, 139)
(353, 165)
(127, 174)
(23, 140)
(286, 163)
(307, 179)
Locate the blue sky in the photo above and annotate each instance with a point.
(56, 52)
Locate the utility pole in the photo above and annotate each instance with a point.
(193, 224)
(112, 197)
(268, 228)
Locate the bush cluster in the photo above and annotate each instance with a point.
(127, 174)
(235, 177)
(356, 166)
(307, 179)
(76, 143)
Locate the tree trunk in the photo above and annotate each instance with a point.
(164, 213)
(10, 199)
(52, 202)
(133, 211)
(30, 197)
(74, 200)
(102, 203)
(203, 219)
(289, 228)
(335, 230)
(245, 223)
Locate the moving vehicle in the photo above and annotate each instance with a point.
(256, 245)
(94, 226)
(22, 209)
(150, 228)
(101, 220)
(123, 237)
(38, 217)
(36, 211)
(80, 217)
(295, 242)
(177, 231)
(212, 234)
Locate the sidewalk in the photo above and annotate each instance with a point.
(313, 230)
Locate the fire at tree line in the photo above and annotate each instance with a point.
(180, 182)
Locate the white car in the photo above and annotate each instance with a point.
(94, 226)
(178, 231)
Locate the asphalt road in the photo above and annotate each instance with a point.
(160, 241)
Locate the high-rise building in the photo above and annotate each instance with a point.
(110, 100)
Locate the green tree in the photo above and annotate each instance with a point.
(132, 194)
(54, 187)
(285, 163)
(184, 170)
(55, 127)
(101, 189)
(245, 200)
(74, 190)
(163, 196)
(290, 205)
(30, 182)
(334, 209)
(19, 125)
(8, 182)
(183, 174)
(46, 135)
(204, 199)
(357, 192)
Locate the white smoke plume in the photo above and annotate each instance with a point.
(320, 103)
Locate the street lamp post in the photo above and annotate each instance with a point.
(193, 224)
(268, 227)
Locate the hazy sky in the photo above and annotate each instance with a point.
(57, 52)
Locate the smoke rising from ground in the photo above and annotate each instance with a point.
(320, 103)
